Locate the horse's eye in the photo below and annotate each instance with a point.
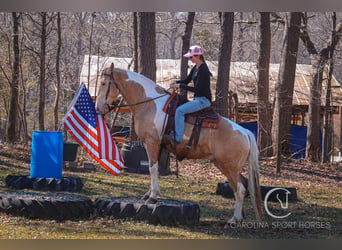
(103, 83)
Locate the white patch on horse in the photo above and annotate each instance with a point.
(237, 127)
(145, 82)
(155, 189)
(239, 195)
(186, 138)
(149, 88)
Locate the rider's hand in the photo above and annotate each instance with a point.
(174, 85)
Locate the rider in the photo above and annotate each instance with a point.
(200, 75)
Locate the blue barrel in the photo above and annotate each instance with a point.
(47, 154)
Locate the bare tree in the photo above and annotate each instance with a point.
(285, 85)
(42, 66)
(168, 25)
(135, 40)
(13, 116)
(132, 135)
(263, 107)
(82, 21)
(144, 50)
(222, 85)
(147, 44)
(93, 15)
(318, 62)
(186, 44)
(58, 75)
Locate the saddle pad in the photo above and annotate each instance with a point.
(207, 123)
(212, 121)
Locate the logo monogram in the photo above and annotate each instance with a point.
(283, 206)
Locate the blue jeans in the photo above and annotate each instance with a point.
(197, 104)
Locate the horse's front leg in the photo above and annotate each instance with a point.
(153, 156)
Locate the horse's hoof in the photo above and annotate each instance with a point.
(144, 198)
(232, 223)
(146, 195)
(151, 200)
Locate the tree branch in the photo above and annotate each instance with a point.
(6, 76)
(304, 36)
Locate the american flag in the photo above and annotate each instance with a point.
(91, 131)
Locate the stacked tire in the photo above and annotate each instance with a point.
(71, 184)
(46, 206)
(164, 212)
(62, 206)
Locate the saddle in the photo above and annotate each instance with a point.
(205, 118)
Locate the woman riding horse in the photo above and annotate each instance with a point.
(228, 146)
(200, 75)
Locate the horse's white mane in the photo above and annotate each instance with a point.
(140, 79)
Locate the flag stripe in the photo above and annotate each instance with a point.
(80, 139)
(111, 166)
(85, 137)
(105, 132)
(103, 142)
(113, 170)
(88, 129)
(100, 137)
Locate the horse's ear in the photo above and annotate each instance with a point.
(110, 69)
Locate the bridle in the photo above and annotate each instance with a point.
(113, 105)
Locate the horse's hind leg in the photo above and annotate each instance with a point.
(237, 182)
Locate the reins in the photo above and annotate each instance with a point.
(147, 100)
(112, 106)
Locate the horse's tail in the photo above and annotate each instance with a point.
(253, 175)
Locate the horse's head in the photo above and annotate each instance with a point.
(108, 95)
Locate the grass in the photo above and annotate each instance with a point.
(317, 215)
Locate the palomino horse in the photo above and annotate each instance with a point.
(229, 146)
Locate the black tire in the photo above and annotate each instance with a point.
(280, 192)
(72, 184)
(46, 206)
(224, 189)
(164, 212)
(18, 181)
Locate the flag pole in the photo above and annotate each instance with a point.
(71, 105)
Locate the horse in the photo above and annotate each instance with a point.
(228, 146)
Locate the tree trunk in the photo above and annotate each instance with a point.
(79, 45)
(185, 47)
(135, 37)
(90, 46)
(146, 41)
(23, 95)
(240, 39)
(327, 128)
(132, 135)
(186, 44)
(285, 85)
(318, 62)
(147, 44)
(58, 76)
(13, 116)
(42, 72)
(222, 85)
(263, 106)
